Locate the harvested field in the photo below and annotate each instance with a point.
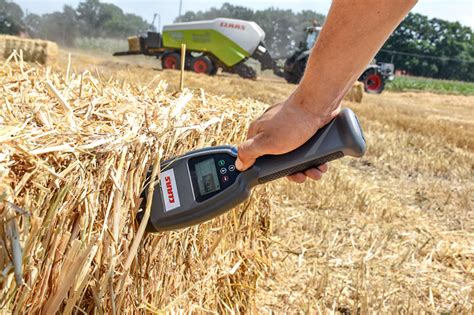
(390, 233)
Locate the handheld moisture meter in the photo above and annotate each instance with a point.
(203, 184)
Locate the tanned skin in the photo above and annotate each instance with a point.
(352, 34)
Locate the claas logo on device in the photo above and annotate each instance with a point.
(169, 189)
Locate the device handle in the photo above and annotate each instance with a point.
(342, 136)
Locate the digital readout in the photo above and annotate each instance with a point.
(207, 177)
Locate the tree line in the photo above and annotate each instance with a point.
(419, 46)
(91, 18)
(431, 48)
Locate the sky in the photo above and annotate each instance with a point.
(451, 10)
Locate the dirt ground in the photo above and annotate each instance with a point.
(391, 232)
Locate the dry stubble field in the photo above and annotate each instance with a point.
(391, 232)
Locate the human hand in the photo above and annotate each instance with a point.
(281, 129)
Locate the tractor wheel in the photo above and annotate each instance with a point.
(171, 61)
(294, 72)
(373, 81)
(292, 78)
(244, 71)
(202, 64)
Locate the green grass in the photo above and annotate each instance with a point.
(430, 85)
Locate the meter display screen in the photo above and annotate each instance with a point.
(207, 178)
(211, 174)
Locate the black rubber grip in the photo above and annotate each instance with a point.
(301, 167)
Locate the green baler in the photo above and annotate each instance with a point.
(219, 43)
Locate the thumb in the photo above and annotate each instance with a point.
(249, 151)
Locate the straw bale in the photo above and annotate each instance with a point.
(33, 50)
(3, 39)
(133, 44)
(356, 93)
(74, 155)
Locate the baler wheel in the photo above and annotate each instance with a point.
(202, 64)
(171, 61)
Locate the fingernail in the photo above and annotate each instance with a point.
(239, 165)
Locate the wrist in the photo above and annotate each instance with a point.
(322, 106)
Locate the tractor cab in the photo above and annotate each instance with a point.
(312, 33)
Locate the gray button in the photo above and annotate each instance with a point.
(223, 170)
(231, 167)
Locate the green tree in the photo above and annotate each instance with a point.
(432, 48)
(11, 16)
(32, 24)
(279, 26)
(90, 17)
(60, 27)
(99, 19)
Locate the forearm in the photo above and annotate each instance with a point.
(353, 33)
